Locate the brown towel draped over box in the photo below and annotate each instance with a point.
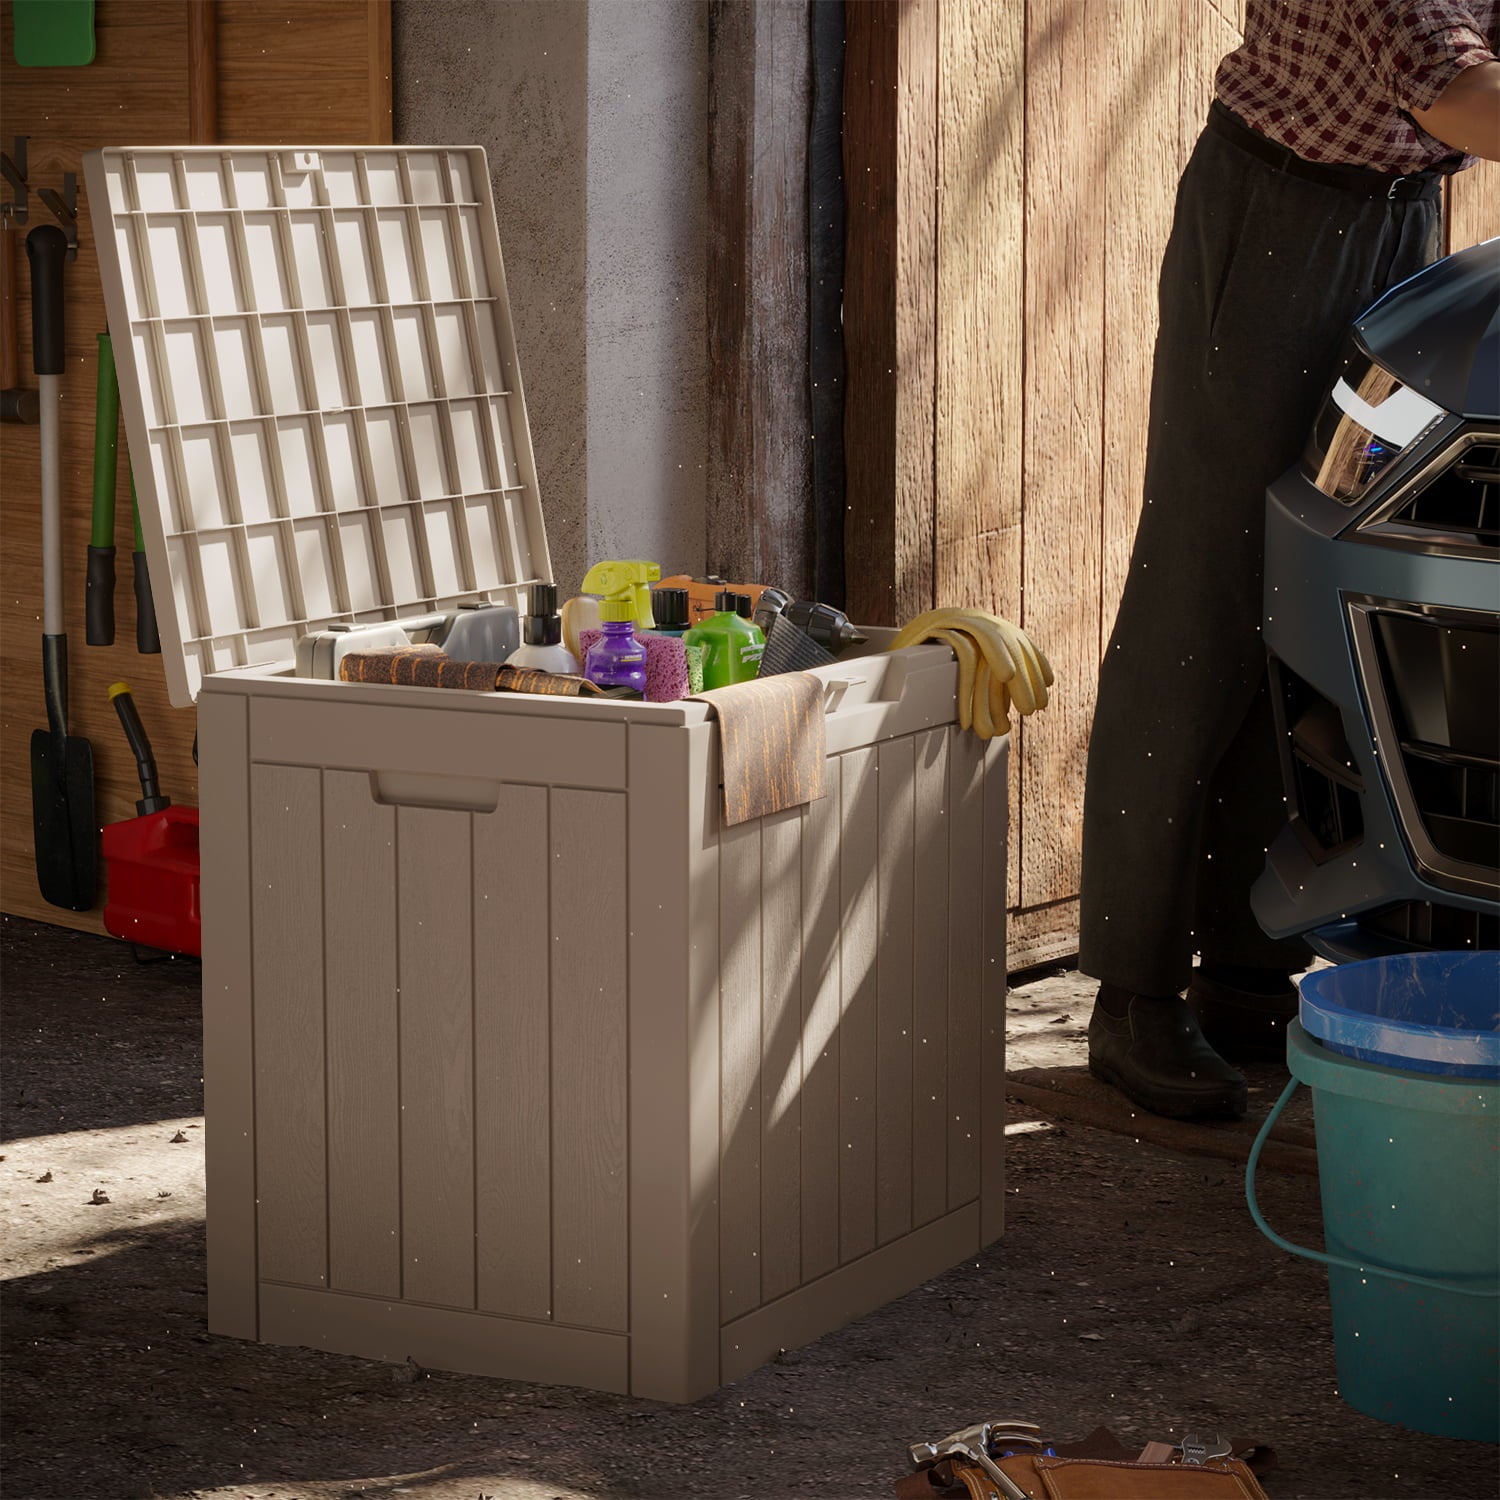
(772, 743)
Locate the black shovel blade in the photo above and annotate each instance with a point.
(62, 816)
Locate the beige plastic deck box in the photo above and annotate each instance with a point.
(517, 1061)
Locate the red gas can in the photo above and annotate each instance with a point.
(153, 880)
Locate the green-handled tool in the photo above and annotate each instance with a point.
(62, 765)
(147, 639)
(99, 594)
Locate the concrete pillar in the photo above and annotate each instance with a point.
(594, 115)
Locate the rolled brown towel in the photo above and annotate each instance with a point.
(387, 663)
(430, 666)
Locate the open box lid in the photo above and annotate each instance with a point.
(321, 392)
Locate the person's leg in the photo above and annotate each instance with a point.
(1262, 276)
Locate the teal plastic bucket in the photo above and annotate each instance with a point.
(1409, 1166)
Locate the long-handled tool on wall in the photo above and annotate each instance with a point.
(99, 594)
(62, 765)
(16, 403)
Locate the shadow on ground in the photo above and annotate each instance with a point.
(1130, 1289)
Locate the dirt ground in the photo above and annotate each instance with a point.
(1130, 1289)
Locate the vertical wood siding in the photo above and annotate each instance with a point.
(1059, 131)
(288, 71)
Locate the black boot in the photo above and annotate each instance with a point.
(1151, 1049)
(1243, 1012)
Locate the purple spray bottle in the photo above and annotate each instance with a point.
(617, 659)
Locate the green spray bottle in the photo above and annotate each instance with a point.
(732, 646)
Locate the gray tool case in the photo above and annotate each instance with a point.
(517, 1060)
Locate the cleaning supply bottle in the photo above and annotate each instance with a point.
(671, 609)
(541, 645)
(630, 580)
(617, 658)
(579, 614)
(732, 645)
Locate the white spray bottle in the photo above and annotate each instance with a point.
(541, 647)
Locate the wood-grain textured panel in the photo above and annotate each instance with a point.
(1472, 206)
(980, 275)
(435, 932)
(859, 844)
(894, 1062)
(286, 828)
(965, 916)
(1143, 87)
(781, 1054)
(512, 1105)
(590, 1253)
(982, 96)
(890, 166)
(739, 1053)
(320, 44)
(759, 487)
(228, 1017)
(992, 997)
(930, 980)
(139, 82)
(364, 1039)
(442, 1338)
(820, 1027)
(1064, 405)
(674, 1065)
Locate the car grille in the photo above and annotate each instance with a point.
(1325, 789)
(1437, 720)
(1453, 507)
(1463, 499)
(1420, 924)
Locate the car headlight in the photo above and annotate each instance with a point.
(1367, 420)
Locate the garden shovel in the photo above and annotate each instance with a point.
(62, 765)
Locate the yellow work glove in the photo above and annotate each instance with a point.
(998, 664)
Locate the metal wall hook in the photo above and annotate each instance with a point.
(13, 167)
(64, 207)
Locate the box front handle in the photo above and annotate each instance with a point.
(836, 687)
(423, 789)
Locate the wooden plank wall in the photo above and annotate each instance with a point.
(1010, 199)
(287, 71)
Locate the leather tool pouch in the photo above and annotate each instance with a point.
(1043, 1477)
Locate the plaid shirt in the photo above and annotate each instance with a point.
(1333, 80)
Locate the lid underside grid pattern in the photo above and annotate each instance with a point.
(327, 375)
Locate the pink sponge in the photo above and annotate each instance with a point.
(666, 664)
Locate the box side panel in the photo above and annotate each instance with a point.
(781, 1053)
(893, 1080)
(848, 1293)
(434, 925)
(477, 743)
(440, 1338)
(740, 1053)
(966, 860)
(228, 1012)
(859, 834)
(992, 992)
(674, 1074)
(512, 1055)
(364, 1119)
(589, 1060)
(930, 979)
(290, 1102)
(819, 994)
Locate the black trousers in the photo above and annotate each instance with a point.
(1263, 273)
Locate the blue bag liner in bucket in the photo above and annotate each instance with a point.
(1426, 1012)
(1402, 1055)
